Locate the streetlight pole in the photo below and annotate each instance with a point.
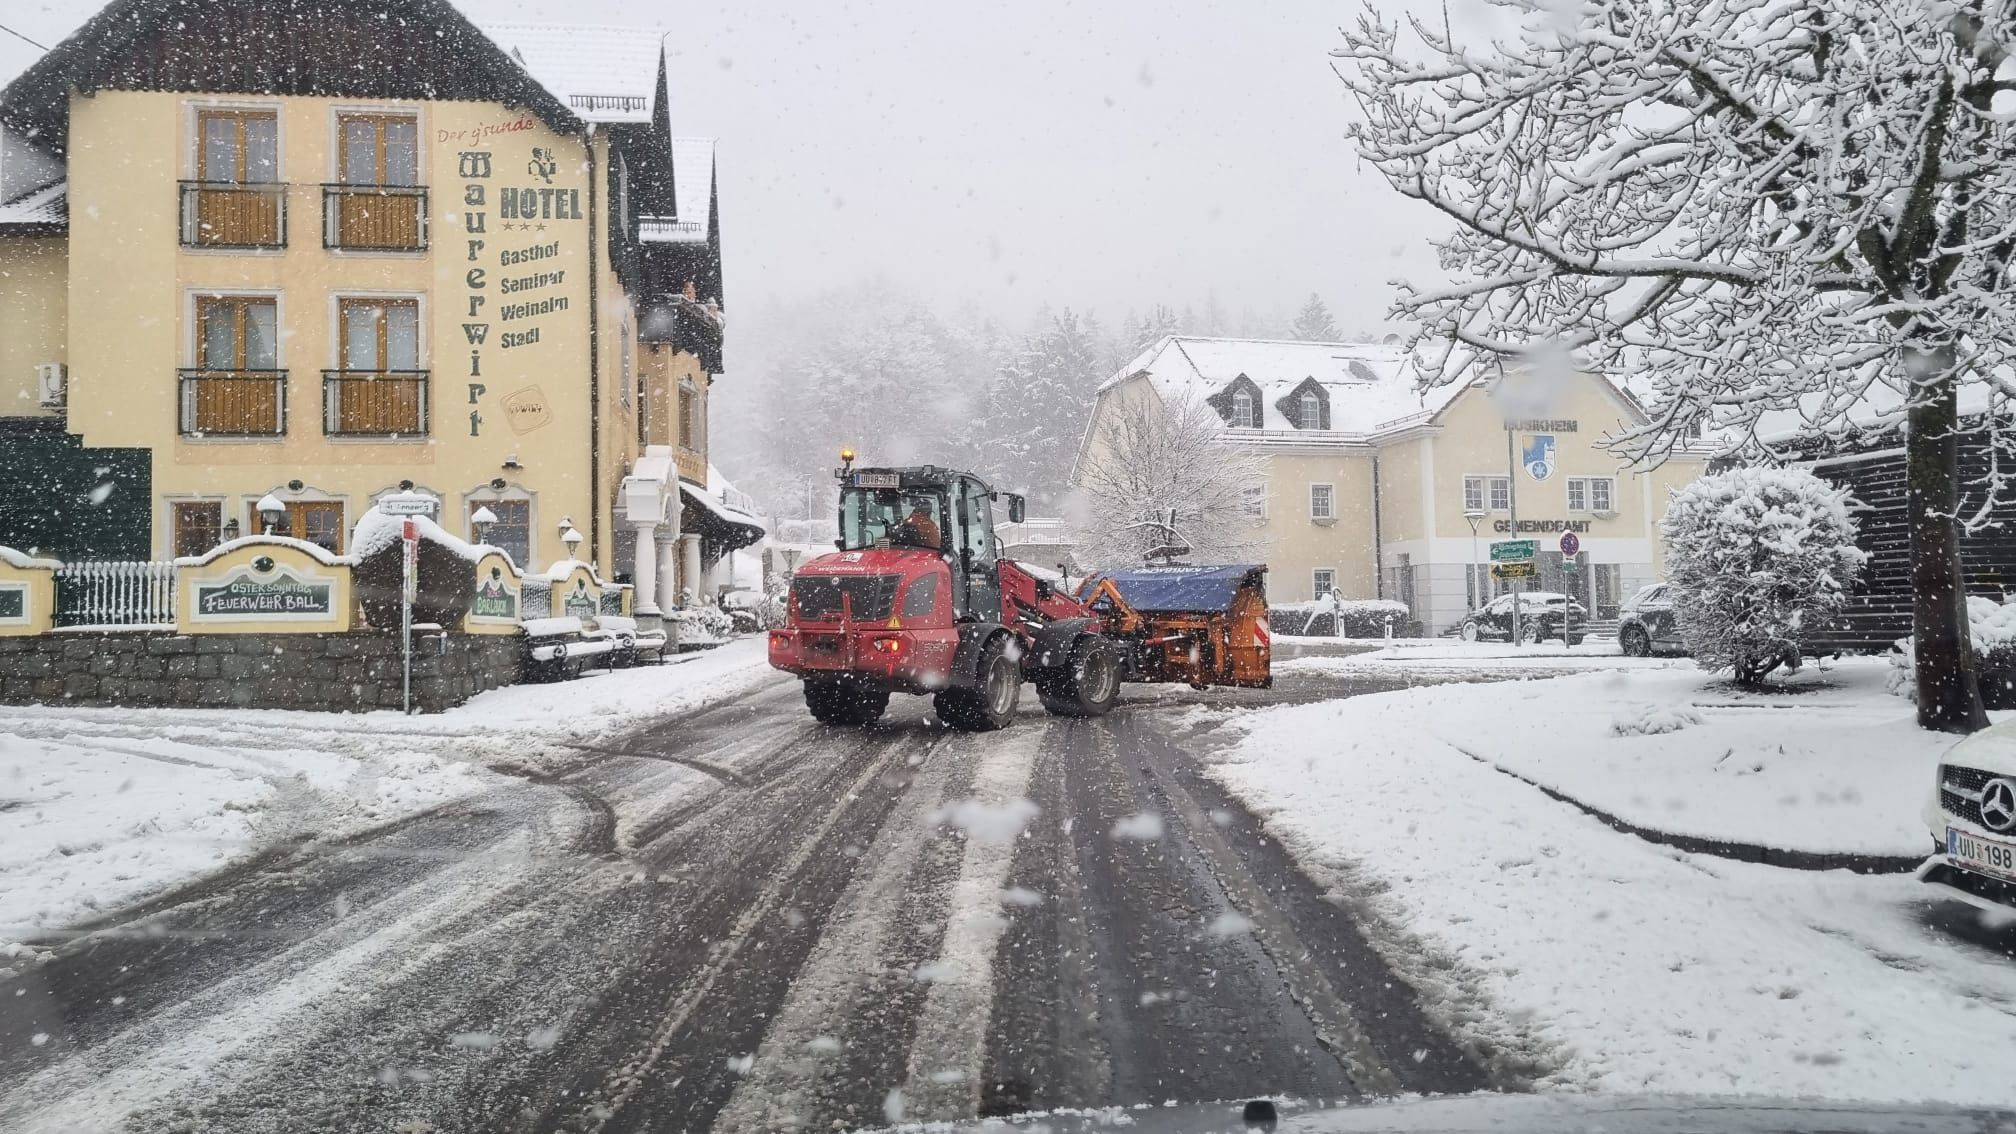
(1476, 516)
(1512, 508)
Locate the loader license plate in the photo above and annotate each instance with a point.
(1985, 855)
(877, 480)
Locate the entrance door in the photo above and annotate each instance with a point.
(320, 522)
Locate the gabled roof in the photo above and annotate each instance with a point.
(45, 210)
(693, 193)
(602, 73)
(406, 49)
(1368, 386)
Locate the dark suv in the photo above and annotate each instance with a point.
(1542, 615)
(1646, 625)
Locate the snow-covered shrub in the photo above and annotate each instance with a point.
(1363, 618)
(1991, 630)
(1759, 559)
(699, 626)
(1651, 720)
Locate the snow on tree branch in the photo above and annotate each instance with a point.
(1743, 207)
(1151, 457)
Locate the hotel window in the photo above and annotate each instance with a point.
(689, 396)
(320, 522)
(378, 203)
(1592, 494)
(1322, 502)
(1487, 493)
(512, 533)
(1323, 580)
(236, 200)
(380, 389)
(1243, 407)
(236, 388)
(199, 526)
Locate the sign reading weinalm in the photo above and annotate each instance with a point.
(578, 594)
(497, 604)
(269, 585)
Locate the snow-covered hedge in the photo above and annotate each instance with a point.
(699, 626)
(1362, 618)
(1991, 629)
(1759, 559)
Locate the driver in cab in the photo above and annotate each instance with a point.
(918, 529)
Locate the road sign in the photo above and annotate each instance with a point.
(1514, 571)
(1570, 544)
(1514, 550)
(403, 505)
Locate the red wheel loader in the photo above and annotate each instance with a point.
(919, 599)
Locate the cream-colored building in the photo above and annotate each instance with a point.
(322, 253)
(1371, 486)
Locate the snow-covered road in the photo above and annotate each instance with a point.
(741, 920)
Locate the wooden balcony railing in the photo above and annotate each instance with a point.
(374, 218)
(374, 403)
(233, 403)
(223, 214)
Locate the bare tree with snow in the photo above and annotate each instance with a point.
(1152, 458)
(1795, 208)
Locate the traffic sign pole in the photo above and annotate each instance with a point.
(408, 581)
(1512, 507)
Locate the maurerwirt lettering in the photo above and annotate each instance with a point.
(533, 309)
(528, 283)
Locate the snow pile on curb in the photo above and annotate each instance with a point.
(1609, 962)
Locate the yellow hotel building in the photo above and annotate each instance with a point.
(321, 252)
(1371, 485)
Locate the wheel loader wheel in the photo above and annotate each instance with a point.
(1086, 686)
(990, 705)
(844, 702)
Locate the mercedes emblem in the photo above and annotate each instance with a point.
(1998, 804)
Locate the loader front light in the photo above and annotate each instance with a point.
(890, 647)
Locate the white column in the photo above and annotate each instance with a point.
(667, 548)
(644, 574)
(689, 566)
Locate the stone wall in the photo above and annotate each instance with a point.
(341, 672)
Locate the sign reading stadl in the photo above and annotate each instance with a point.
(244, 593)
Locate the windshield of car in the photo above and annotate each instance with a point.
(784, 567)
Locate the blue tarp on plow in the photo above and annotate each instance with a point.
(1179, 588)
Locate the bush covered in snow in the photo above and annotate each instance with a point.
(1651, 720)
(1991, 630)
(1363, 618)
(699, 626)
(1759, 559)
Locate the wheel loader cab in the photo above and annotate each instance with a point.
(935, 510)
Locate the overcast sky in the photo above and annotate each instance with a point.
(1110, 155)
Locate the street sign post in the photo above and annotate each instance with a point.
(409, 585)
(1502, 571)
(403, 505)
(1514, 550)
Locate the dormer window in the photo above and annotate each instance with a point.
(1307, 406)
(1309, 410)
(1245, 413)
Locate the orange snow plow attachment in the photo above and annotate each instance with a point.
(1197, 625)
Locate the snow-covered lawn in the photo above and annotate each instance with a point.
(103, 807)
(1619, 964)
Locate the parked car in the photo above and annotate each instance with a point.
(1542, 615)
(1645, 624)
(1972, 816)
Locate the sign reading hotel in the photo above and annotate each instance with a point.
(522, 272)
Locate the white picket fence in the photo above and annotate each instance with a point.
(115, 593)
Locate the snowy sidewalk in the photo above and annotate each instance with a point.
(101, 808)
(1599, 960)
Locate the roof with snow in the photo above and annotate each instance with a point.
(45, 208)
(602, 73)
(1366, 384)
(693, 196)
